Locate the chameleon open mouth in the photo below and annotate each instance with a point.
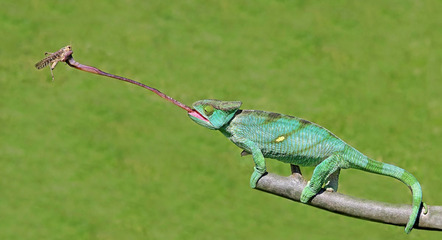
(196, 114)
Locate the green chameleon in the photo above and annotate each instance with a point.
(296, 141)
(273, 135)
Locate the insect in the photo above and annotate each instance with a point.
(53, 58)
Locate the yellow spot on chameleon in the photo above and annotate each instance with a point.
(280, 139)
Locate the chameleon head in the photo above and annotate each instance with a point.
(213, 114)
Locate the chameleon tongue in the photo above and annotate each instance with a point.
(65, 55)
(72, 63)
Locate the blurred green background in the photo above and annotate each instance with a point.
(86, 157)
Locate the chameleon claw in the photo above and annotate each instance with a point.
(256, 175)
(307, 193)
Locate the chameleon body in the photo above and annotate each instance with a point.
(296, 141)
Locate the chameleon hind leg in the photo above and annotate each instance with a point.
(329, 168)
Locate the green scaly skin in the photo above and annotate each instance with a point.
(296, 141)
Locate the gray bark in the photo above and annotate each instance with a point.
(396, 214)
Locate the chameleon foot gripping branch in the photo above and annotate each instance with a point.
(272, 135)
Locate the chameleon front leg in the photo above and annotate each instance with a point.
(260, 164)
(321, 173)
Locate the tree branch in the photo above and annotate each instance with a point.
(396, 214)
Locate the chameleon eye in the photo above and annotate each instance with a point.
(208, 110)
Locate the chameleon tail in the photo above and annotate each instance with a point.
(370, 165)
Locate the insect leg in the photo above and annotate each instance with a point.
(52, 68)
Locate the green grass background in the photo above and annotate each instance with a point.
(87, 157)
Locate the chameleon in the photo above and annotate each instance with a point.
(277, 136)
(296, 141)
(54, 58)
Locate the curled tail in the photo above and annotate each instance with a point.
(366, 164)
